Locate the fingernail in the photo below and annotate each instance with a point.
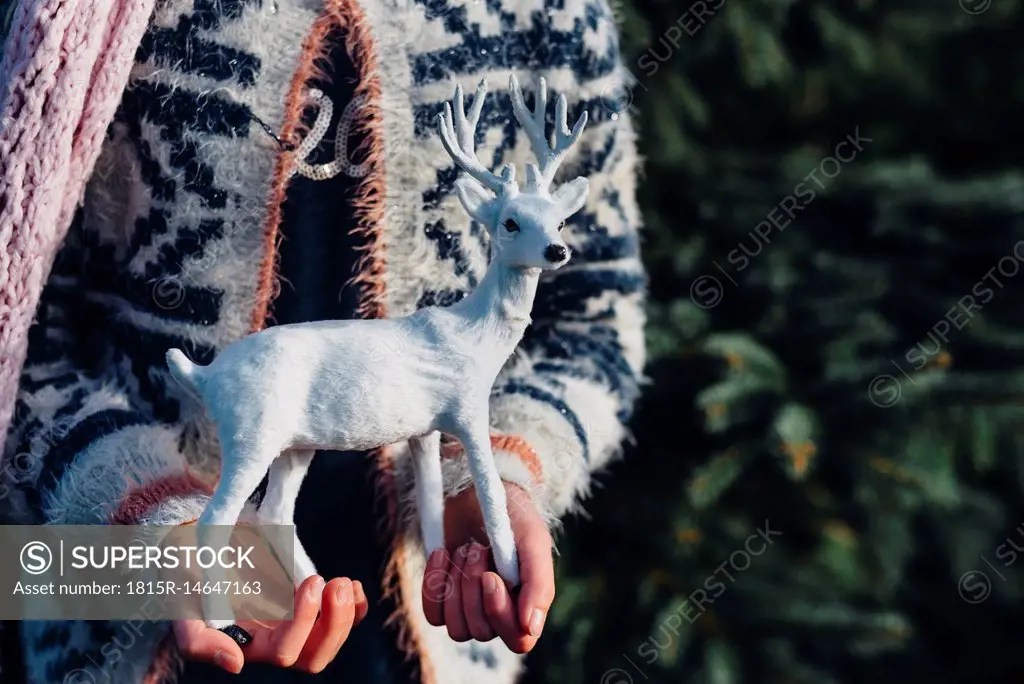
(357, 592)
(536, 621)
(437, 559)
(226, 661)
(343, 594)
(490, 583)
(316, 588)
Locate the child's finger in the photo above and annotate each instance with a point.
(362, 605)
(537, 571)
(285, 644)
(436, 583)
(332, 628)
(454, 614)
(501, 613)
(472, 593)
(204, 644)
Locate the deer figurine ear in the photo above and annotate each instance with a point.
(478, 203)
(571, 196)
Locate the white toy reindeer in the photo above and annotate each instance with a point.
(278, 395)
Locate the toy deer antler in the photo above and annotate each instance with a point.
(549, 158)
(458, 137)
(457, 132)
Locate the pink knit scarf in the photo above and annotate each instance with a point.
(64, 67)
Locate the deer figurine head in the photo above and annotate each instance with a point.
(525, 222)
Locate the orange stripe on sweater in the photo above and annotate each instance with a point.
(142, 500)
(510, 443)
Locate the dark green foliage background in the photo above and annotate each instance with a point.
(895, 503)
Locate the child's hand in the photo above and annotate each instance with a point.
(460, 589)
(306, 643)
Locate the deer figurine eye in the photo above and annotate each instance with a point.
(511, 226)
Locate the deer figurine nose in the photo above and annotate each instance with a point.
(555, 253)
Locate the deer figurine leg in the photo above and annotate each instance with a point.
(239, 477)
(278, 506)
(426, 454)
(490, 491)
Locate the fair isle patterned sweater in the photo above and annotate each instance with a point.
(175, 244)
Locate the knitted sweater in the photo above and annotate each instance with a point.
(173, 244)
